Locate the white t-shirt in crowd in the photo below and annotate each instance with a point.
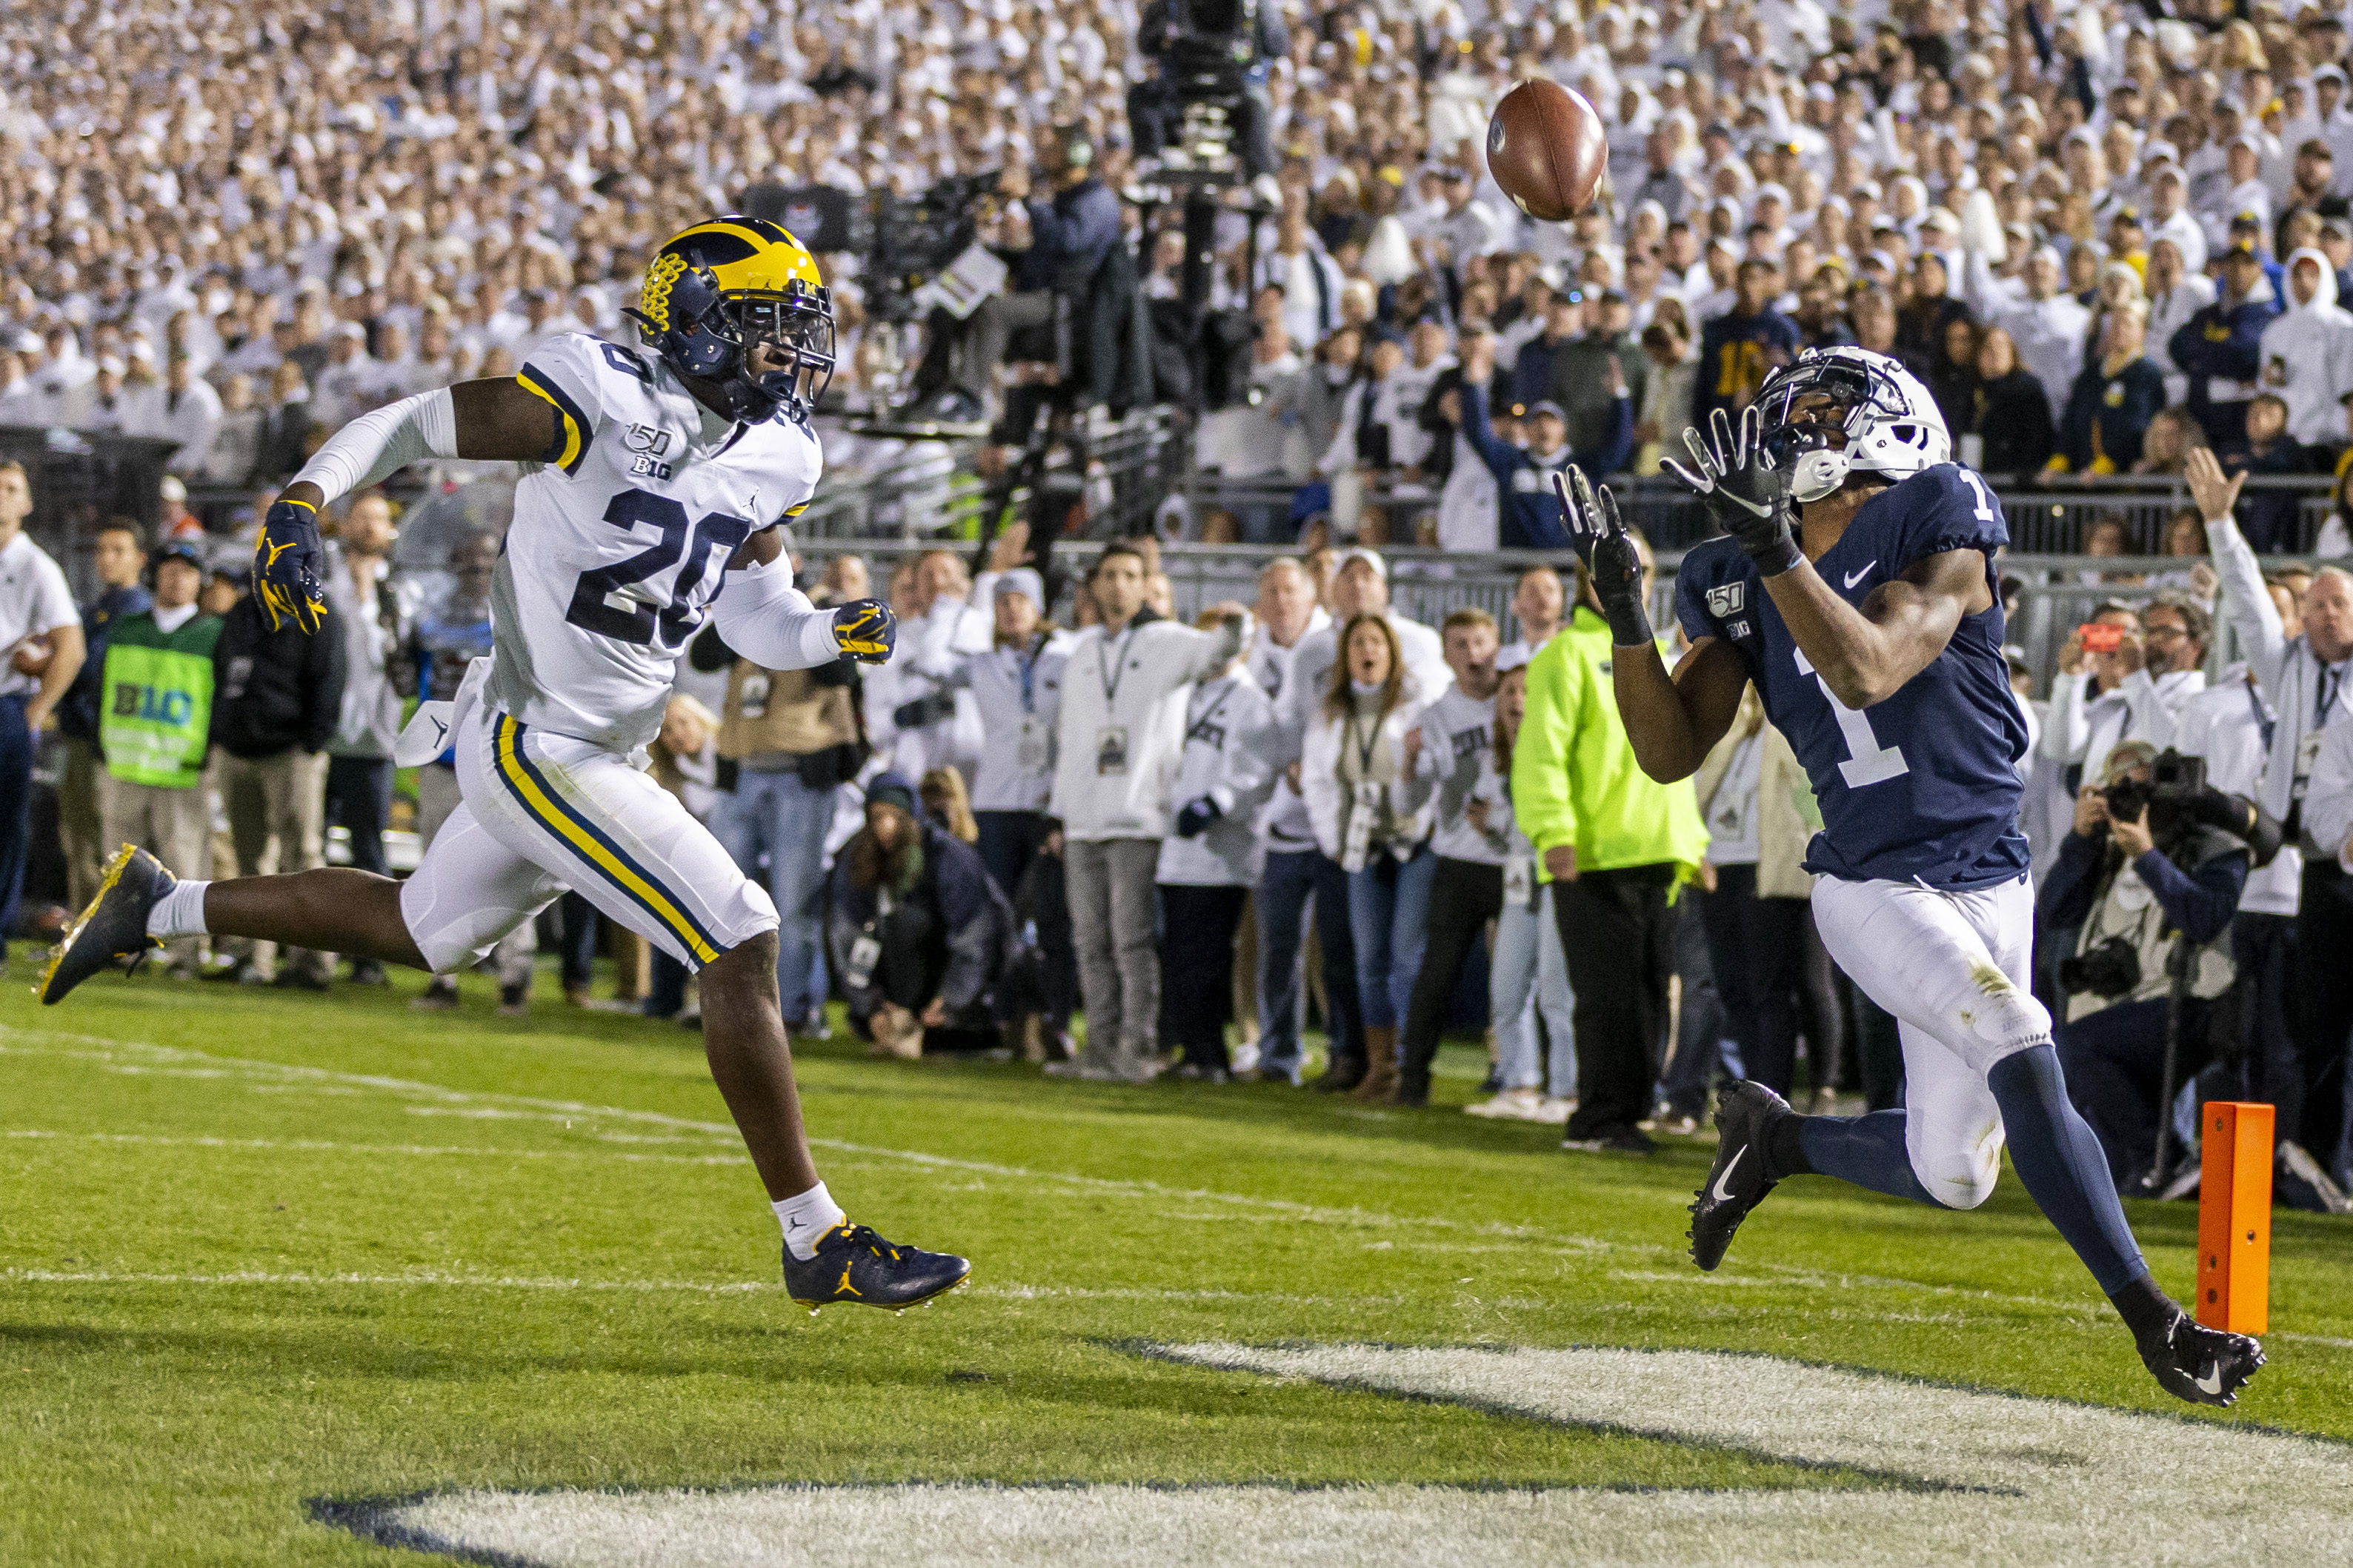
(34, 599)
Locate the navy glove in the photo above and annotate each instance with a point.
(924, 710)
(1612, 564)
(1195, 819)
(287, 560)
(866, 630)
(1747, 497)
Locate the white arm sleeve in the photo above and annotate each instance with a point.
(2247, 603)
(765, 619)
(376, 446)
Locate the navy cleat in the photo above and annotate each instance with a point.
(2202, 1366)
(114, 928)
(853, 1264)
(1745, 1114)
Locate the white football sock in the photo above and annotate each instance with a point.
(806, 1217)
(180, 912)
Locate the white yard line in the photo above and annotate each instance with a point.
(328, 1146)
(451, 1279)
(493, 1105)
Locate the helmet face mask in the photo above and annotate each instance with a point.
(1840, 411)
(737, 301)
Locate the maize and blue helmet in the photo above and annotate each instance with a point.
(718, 290)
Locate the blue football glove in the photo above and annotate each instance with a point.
(866, 630)
(287, 560)
(1612, 564)
(1195, 819)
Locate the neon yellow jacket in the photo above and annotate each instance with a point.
(1574, 778)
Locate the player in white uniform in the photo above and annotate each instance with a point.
(656, 477)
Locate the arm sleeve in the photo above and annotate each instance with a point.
(1480, 431)
(1200, 652)
(769, 621)
(1250, 764)
(2247, 604)
(2065, 733)
(374, 447)
(2198, 904)
(1342, 451)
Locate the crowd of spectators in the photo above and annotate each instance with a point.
(2108, 241)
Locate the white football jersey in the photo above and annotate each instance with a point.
(621, 538)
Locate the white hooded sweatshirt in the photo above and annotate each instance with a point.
(2307, 357)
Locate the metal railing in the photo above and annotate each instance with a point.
(2054, 593)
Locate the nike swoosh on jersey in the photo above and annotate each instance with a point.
(1857, 575)
(1723, 1194)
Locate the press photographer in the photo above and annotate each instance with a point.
(1210, 52)
(2151, 873)
(1056, 244)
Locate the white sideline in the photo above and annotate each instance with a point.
(1980, 1477)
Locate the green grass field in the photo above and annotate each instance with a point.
(265, 1254)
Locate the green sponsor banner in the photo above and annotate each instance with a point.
(158, 713)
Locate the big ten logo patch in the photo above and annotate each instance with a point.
(648, 446)
(133, 700)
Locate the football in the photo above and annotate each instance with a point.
(1546, 149)
(32, 656)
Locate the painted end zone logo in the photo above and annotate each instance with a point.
(1948, 1474)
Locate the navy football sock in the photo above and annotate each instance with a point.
(1865, 1150)
(2060, 1161)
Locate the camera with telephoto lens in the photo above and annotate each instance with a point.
(2174, 779)
(2110, 969)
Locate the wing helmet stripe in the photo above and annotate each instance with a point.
(571, 444)
(547, 806)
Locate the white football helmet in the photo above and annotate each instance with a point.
(1891, 422)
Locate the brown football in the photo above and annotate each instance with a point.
(1546, 149)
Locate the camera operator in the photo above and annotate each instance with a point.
(1236, 41)
(1058, 241)
(2152, 876)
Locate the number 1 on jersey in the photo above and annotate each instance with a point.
(1867, 762)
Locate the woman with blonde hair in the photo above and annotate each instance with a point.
(1376, 819)
(942, 791)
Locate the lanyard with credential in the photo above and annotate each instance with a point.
(1029, 674)
(1109, 681)
(1365, 748)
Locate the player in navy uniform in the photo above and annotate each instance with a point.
(1858, 591)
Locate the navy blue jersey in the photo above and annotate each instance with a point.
(1923, 786)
